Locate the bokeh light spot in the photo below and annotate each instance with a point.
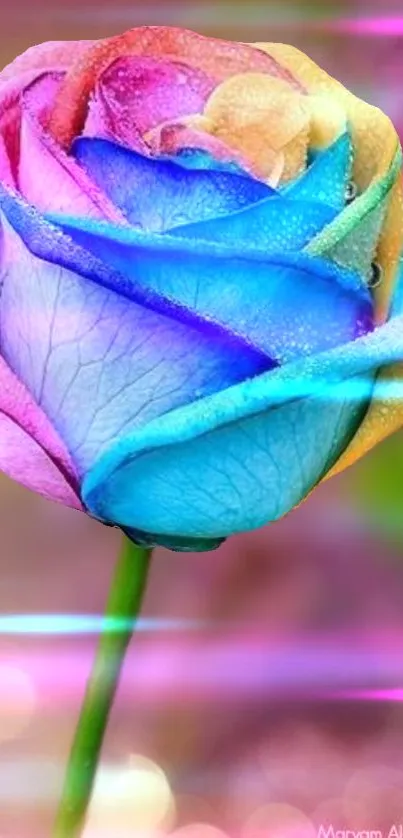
(191, 808)
(131, 799)
(198, 830)
(373, 798)
(279, 820)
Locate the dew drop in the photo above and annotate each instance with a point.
(351, 192)
(376, 275)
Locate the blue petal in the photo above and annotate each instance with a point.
(98, 364)
(275, 224)
(286, 305)
(327, 177)
(243, 457)
(157, 193)
(49, 243)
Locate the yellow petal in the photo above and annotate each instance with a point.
(328, 120)
(373, 133)
(261, 116)
(295, 155)
(389, 250)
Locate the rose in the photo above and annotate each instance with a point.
(191, 233)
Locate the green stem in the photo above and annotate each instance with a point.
(123, 605)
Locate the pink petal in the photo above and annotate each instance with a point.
(52, 55)
(10, 126)
(30, 450)
(47, 177)
(6, 173)
(104, 123)
(175, 136)
(137, 93)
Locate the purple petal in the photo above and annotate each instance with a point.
(97, 363)
(30, 450)
(6, 174)
(47, 177)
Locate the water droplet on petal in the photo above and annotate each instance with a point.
(351, 192)
(376, 275)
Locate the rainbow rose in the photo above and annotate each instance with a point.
(199, 311)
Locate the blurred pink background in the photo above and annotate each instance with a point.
(262, 695)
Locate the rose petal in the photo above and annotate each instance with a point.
(51, 55)
(327, 177)
(260, 117)
(48, 243)
(238, 443)
(6, 174)
(212, 482)
(357, 249)
(47, 177)
(389, 251)
(384, 416)
(101, 363)
(216, 58)
(353, 236)
(328, 120)
(19, 74)
(173, 137)
(30, 450)
(375, 142)
(158, 194)
(10, 128)
(286, 304)
(103, 123)
(135, 94)
(275, 224)
(373, 134)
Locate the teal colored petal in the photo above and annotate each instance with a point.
(397, 300)
(327, 177)
(175, 543)
(285, 304)
(245, 456)
(357, 249)
(276, 224)
(351, 239)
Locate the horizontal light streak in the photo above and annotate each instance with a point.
(87, 624)
(244, 666)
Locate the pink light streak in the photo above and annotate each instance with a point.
(391, 695)
(382, 26)
(250, 667)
